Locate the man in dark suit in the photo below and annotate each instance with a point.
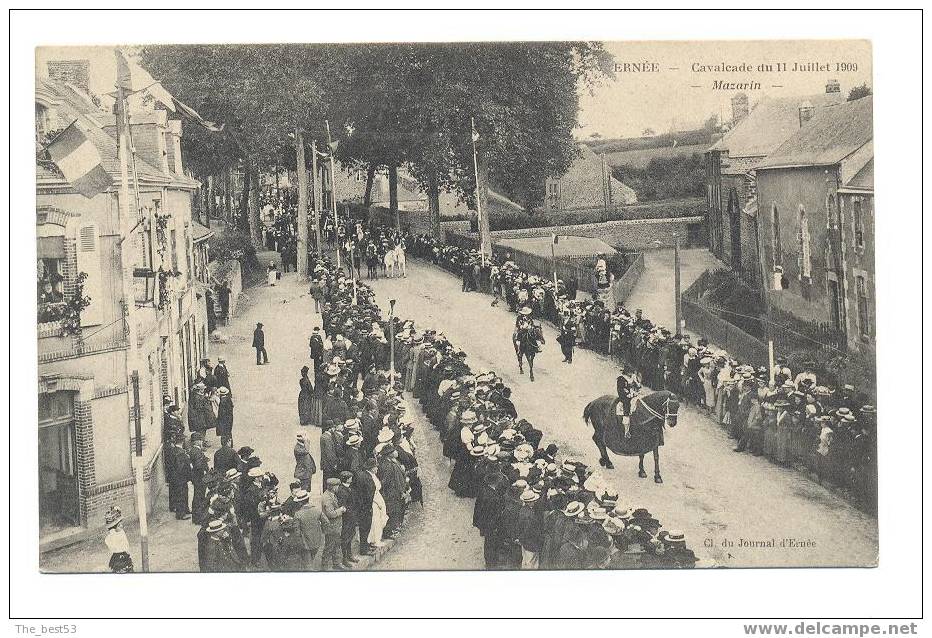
(316, 345)
(199, 467)
(364, 491)
(394, 485)
(222, 374)
(225, 458)
(346, 498)
(258, 342)
(178, 481)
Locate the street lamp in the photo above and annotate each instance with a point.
(391, 341)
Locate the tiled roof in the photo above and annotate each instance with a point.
(200, 232)
(567, 245)
(864, 179)
(829, 137)
(74, 105)
(769, 124)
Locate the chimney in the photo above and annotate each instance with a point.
(806, 111)
(739, 107)
(75, 72)
(152, 132)
(832, 86)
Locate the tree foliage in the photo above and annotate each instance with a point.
(857, 92)
(392, 105)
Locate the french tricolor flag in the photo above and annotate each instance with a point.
(79, 161)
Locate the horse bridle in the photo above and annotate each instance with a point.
(662, 417)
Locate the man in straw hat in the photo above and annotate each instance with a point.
(215, 550)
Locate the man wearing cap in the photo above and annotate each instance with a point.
(199, 467)
(331, 521)
(178, 480)
(364, 491)
(258, 342)
(394, 486)
(346, 498)
(316, 347)
(224, 414)
(304, 465)
(329, 459)
(308, 516)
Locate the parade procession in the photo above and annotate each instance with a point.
(449, 312)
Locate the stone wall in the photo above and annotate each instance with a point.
(634, 234)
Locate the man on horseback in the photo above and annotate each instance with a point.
(628, 388)
(528, 338)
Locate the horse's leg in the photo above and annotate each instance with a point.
(641, 472)
(657, 478)
(520, 363)
(530, 365)
(604, 461)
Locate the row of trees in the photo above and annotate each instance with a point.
(389, 106)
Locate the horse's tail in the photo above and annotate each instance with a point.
(587, 413)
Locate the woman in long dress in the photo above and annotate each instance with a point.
(305, 398)
(379, 514)
(272, 273)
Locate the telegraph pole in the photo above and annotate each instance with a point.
(391, 340)
(676, 284)
(129, 304)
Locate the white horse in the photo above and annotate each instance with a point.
(395, 258)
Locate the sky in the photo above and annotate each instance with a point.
(682, 97)
(676, 96)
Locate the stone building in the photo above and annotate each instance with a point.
(815, 194)
(86, 407)
(588, 183)
(730, 163)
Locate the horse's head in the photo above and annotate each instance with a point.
(671, 410)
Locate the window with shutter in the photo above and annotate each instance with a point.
(89, 263)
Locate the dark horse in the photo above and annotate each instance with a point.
(654, 411)
(528, 342)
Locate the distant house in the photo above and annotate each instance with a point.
(815, 195)
(588, 183)
(730, 163)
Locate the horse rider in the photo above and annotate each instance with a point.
(523, 321)
(628, 388)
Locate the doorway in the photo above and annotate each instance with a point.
(58, 476)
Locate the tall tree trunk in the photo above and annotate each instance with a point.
(370, 178)
(315, 188)
(255, 212)
(433, 202)
(393, 196)
(243, 217)
(302, 205)
(485, 234)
